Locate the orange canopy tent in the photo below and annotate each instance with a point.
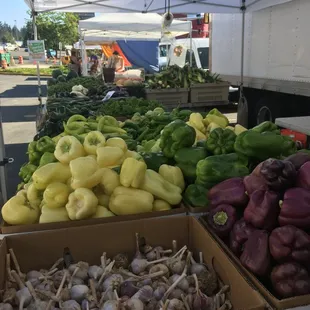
(108, 50)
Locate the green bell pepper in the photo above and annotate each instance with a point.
(263, 145)
(175, 136)
(155, 160)
(221, 141)
(187, 159)
(33, 154)
(196, 196)
(47, 158)
(215, 116)
(215, 169)
(45, 144)
(266, 126)
(26, 171)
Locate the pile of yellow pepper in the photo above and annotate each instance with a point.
(213, 120)
(84, 184)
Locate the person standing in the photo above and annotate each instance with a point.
(75, 64)
(116, 61)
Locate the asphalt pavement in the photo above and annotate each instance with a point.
(18, 108)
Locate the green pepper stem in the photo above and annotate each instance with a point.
(220, 218)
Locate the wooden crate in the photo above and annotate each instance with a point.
(170, 98)
(209, 92)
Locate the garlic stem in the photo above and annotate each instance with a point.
(105, 272)
(58, 262)
(15, 261)
(182, 250)
(77, 268)
(17, 279)
(59, 289)
(52, 271)
(103, 260)
(8, 267)
(93, 290)
(31, 290)
(174, 247)
(200, 258)
(185, 302)
(21, 303)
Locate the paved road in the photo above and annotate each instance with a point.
(18, 101)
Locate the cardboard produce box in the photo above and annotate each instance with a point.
(10, 229)
(276, 303)
(88, 243)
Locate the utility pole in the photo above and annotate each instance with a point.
(15, 29)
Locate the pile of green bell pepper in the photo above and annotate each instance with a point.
(36, 149)
(175, 136)
(196, 196)
(187, 158)
(221, 141)
(262, 146)
(26, 171)
(215, 169)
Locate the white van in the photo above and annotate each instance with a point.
(179, 53)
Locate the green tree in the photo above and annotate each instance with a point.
(56, 27)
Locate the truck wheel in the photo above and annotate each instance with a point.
(266, 110)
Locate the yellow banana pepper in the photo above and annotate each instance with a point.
(133, 154)
(230, 128)
(213, 126)
(53, 215)
(68, 148)
(239, 129)
(102, 212)
(82, 204)
(196, 121)
(57, 138)
(126, 201)
(155, 184)
(54, 172)
(161, 205)
(18, 211)
(215, 116)
(34, 196)
(56, 195)
(85, 172)
(109, 156)
(103, 199)
(172, 174)
(92, 141)
(118, 142)
(132, 173)
(109, 181)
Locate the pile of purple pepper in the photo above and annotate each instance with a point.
(265, 219)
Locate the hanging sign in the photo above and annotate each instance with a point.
(36, 50)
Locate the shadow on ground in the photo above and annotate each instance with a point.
(18, 152)
(34, 78)
(19, 113)
(23, 91)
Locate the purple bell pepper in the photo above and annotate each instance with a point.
(303, 176)
(254, 182)
(289, 243)
(256, 256)
(222, 219)
(263, 210)
(298, 159)
(290, 280)
(295, 208)
(239, 235)
(231, 191)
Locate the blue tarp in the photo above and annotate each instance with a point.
(141, 54)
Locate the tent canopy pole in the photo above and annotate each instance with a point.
(35, 35)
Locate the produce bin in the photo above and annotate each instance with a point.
(209, 92)
(170, 98)
(276, 303)
(8, 229)
(88, 243)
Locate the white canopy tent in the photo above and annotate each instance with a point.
(155, 6)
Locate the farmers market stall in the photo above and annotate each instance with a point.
(249, 249)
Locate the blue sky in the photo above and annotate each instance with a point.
(14, 10)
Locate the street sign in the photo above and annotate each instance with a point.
(36, 50)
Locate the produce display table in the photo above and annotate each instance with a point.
(300, 124)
